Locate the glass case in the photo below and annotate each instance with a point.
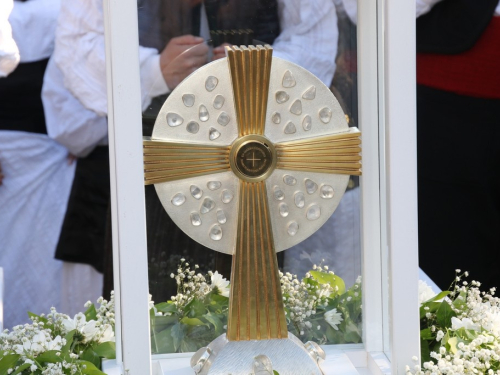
(352, 258)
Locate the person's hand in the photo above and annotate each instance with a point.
(220, 52)
(182, 56)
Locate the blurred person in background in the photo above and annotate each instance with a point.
(35, 172)
(458, 139)
(170, 49)
(458, 117)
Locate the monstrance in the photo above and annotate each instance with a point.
(250, 155)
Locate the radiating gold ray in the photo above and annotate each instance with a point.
(336, 153)
(250, 69)
(256, 305)
(168, 161)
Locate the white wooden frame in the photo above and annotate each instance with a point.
(386, 61)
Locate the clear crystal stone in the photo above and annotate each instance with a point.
(216, 232)
(227, 196)
(276, 117)
(221, 216)
(307, 123)
(173, 119)
(282, 97)
(299, 199)
(293, 228)
(326, 192)
(192, 127)
(311, 186)
(214, 185)
(203, 113)
(313, 212)
(283, 209)
(278, 193)
(196, 192)
(195, 219)
(325, 115)
(296, 107)
(211, 83)
(188, 100)
(262, 365)
(310, 93)
(213, 134)
(289, 180)
(288, 80)
(207, 205)
(290, 128)
(223, 119)
(178, 199)
(218, 102)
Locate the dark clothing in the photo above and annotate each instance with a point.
(458, 186)
(453, 26)
(458, 137)
(82, 235)
(27, 114)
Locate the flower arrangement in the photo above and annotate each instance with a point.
(55, 344)
(317, 308)
(460, 330)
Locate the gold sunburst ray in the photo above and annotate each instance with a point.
(170, 161)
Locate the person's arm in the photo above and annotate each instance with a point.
(80, 55)
(309, 36)
(9, 53)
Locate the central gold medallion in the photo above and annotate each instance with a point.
(252, 158)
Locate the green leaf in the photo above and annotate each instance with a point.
(426, 334)
(195, 308)
(164, 342)
(275, 372)
(166, 307)
(444, 314)
(37, 317)
(91, 356)
(21, 369)
(91, 313)
(432, 308)
(90, 368)
(425, 353)
(106, 350)
(192, 321)
(188, 346)
(214, 319)
(439, 296)
(7, 362)
(69, 341)
(178, 333)
(328, 278)
(49, 356)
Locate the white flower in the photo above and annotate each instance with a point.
(464, 323)
(88, 329)
(333, 318)
(107, 334)
(220, 283)
(425, 292)
(439, 335)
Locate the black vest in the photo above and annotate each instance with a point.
(453, 26)
(159, 21)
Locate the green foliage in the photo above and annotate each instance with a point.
(187, 326)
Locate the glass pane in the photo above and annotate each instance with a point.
(189, 282)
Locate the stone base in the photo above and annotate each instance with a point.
(258, 357)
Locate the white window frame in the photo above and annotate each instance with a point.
(386, 77)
